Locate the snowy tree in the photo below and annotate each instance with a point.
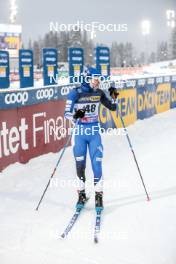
(30, 45)
(173, 44)
(37, 53)
(152, 57)
(162, 51)
(141, 59)
(75, 38)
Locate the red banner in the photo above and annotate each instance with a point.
(31, 131)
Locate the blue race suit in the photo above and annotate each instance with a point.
(84, 97)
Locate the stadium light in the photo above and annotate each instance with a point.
(171, 18)
(13, 11)
(146, 26)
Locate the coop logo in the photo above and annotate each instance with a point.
(66, 89)
(45, 94)
(141, 82)
(13, 98)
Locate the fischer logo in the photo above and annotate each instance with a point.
(13, 98)
(45, 94)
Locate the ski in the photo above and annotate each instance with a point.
(97, 226)
(72, 221)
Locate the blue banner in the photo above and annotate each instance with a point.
(76, 62)
(26, 68)
(4, 69)
(146, 98)
(173, 92)
(50, 67)
(20, 98)
(102, 60)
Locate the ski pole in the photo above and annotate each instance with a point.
(57, 164)
(135, 159)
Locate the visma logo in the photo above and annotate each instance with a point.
(45, 94)
(13, 98)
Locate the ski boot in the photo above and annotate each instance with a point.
(81, 199)
(98, 201)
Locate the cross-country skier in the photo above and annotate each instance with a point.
(83, 104)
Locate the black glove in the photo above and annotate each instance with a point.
(113, 92)
(80, 113)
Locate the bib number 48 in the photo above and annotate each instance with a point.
(90, 108)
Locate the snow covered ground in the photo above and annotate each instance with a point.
(134, 231)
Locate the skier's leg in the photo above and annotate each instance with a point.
(80, 150)
(96, 155)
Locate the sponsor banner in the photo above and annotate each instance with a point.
(10, 38)
(33, 118)
(50, 66)
(145, 98)
(129, 84)
(127, 108)
(173, 92)
(31, 131)
(127, 70)
(4, 70)
(162, 97)
(13, 99)
(102, 60)
(153, 96)
(26, 68)
(76, 62)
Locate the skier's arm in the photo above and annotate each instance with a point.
(110, 104)
(69, 108)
